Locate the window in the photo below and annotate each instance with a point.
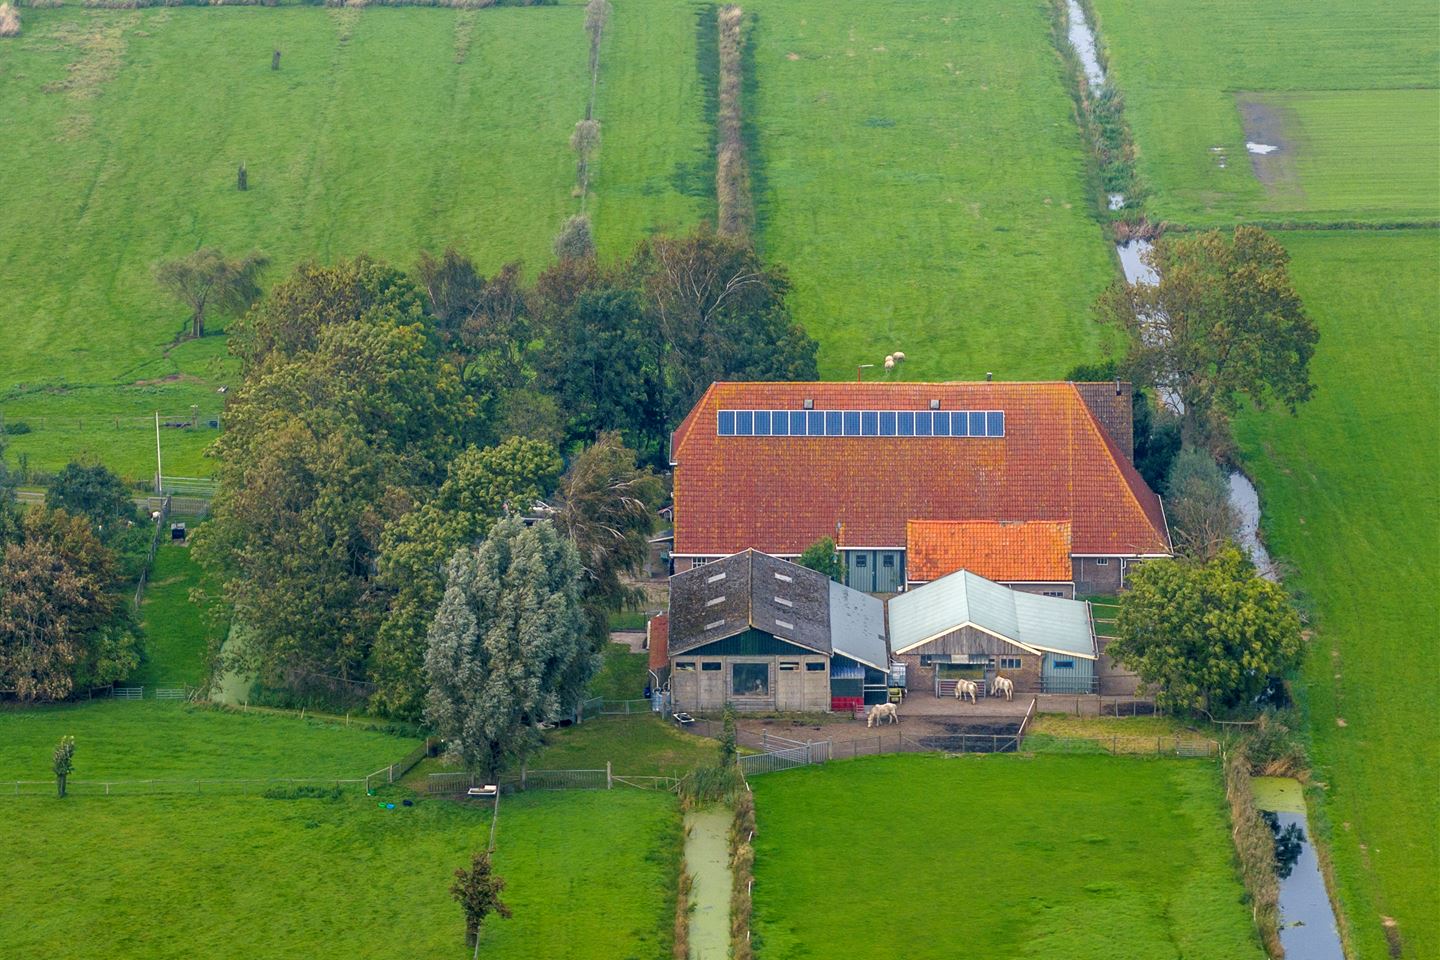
(699, 562)
(710, 666)
(1063, 664)
(815, 666)
(888, 560)
(790, 665)
(1009, 663)
(685, 666)
(1053, 593)
(1102, 561)
(750, 679)
(862, 560)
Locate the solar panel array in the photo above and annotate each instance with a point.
(861, 423)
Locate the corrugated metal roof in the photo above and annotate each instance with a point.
(944, 605)
(857, 626)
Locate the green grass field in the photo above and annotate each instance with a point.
(1045, 857)
(341, 878)
(922, 177)
(1350, 497)
(385, 131)
(176, 630)
(1349, 92)
(622, 676)
(131, 740)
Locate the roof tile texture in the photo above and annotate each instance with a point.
(780, 495)
(1004, 551)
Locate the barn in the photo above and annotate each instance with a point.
(764, 634)
(964, 626)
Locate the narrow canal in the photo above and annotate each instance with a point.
(707, 857)
(1307, 920)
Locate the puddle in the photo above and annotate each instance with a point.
(707, 857)
(1307, 921)
(1117, 200)
(1245, 500)
(1260, 149)
(1082, 38)
(1132, 263)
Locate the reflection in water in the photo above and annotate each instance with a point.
(1289, 842)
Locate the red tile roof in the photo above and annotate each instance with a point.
(779, 495)
(658, 630)
(1005, 551)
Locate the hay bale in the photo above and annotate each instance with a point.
(9, 21)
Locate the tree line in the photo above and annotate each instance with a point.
(441, 475)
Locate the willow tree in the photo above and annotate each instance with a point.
(208, 282)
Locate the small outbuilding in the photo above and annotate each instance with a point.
(963, 626)
(764, 634)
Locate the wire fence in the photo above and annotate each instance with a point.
(395, 771)
(162, 517)
(198, 786)
(459, 783)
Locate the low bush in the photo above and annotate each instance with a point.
(9, 21)
(303, 792)
(742, 870)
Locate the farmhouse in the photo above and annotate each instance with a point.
(778, 466)
(765, 634)
(964, 626)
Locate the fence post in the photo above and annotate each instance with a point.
(522, 775)
(609, 780)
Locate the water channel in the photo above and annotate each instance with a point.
(1132, 253)
(707, 857)
(1307, 921)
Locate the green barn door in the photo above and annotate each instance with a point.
(860, 570)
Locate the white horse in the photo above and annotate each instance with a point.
(1003, 685)
(880, 712)
(966, 688)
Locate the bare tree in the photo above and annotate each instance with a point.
(208, 282)
(574, 241)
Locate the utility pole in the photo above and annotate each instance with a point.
(158, 468)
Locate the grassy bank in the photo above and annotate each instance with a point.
(177, 631)
(1349, 496)
(1063, 857)
(920, 172)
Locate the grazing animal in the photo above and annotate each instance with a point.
(880, 712)
(1003, 685)
(966, 688)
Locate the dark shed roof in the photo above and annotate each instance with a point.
(749, 590)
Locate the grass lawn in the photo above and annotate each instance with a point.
(384, 131)
(1047, 857)
(158, 740)
(1349, 494)
(920, 172)
(176, 630)
(623, 675)
(654, 170)
(341, 878)
(1347, 91)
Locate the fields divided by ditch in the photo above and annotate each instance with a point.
(1350, 499)
(1349, 94)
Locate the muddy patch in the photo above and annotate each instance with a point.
(1270, 142)
(98, 47)
(973, 736)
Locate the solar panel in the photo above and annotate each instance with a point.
(860, 423)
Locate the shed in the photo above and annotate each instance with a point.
(964, 625)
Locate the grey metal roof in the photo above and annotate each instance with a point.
(857, 626)
(941, 606)
(750, 589)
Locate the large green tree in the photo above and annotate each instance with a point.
(63, 627)
(606, 505)
(482, 486)
(1205, 636)
(1223, 325)
(348, 415)
(507, 650)
(92, 491)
